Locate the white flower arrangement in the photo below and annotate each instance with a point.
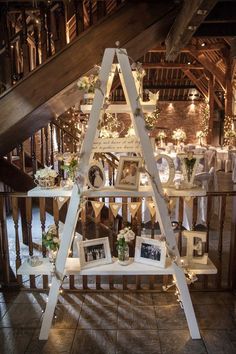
(179, 134)
(45, 173)
(125, 235)
(161, 135)
(200, 134)
(88, 83)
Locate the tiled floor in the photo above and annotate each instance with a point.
(121, 323)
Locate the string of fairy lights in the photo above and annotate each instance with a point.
(229, 132)
(205, 116)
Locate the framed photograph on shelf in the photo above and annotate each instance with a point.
(94, 252)
(150, 251)
(96, 175)
(128, 173)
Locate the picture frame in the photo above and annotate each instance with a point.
(150, 251)
(96, 175)
(95, 252)
(128, 173)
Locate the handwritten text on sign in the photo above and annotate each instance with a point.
(130, 144)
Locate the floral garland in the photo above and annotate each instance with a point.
(205, 118)
(151, 119)
(228, 131)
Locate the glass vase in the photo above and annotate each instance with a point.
(52, 255)
(123, 254)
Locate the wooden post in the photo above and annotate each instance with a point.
(29, 229)
(15, 215)
(43, 33)
(4, 250)
(46, 145)
(49, 32)
(59, 27)
(5, 57)
(36, 41)
(101, 9)
(33, 154)
(211, 107)
(25, 48)
(51, 145)
(79, 16)
(232, 272)
(229, 90)
(21, 153)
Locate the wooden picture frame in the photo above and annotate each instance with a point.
(95, 252)
(128, 173)
(150, 251)
(96, 175)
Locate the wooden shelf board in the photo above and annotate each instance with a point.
(144, 191)
(120, 108)
(54, 192)
(114, 268)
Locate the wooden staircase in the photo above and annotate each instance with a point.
(51, 88)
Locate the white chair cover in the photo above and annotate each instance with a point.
(233, 157)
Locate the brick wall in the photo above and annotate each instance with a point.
(177, 114)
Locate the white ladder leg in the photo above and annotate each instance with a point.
(50, 308)
(186, 302)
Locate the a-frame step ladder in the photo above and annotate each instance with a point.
(131, 94)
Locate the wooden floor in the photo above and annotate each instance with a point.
(127, 323)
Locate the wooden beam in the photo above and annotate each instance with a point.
(172, 66)
(168, 87)
(206, 48)
(211, 100)
(186, 23)
(233, 58)
(201, 87)
(228, 84)
(195, 80)
(211, 67)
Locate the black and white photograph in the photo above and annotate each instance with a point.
(94, 252)
(150, 251)
(96, 176)
(128, 173)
